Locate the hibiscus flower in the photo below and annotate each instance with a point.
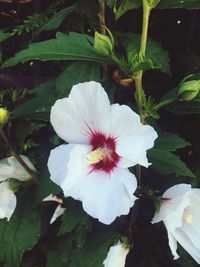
(104, 140)
(179, 212)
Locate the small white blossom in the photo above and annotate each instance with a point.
(11, 168)
(59, 210)
(116, 256)
(180, 213)
(104, 140)
(7, 201)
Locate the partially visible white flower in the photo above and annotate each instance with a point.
(8, 201)
(116, 256)
(11, 168)
(180, 212)
(104, 141)
(59, 210)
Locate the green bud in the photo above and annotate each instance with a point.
(188, 90)
(4, 116)
(103, 44)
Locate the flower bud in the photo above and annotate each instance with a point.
(103, 44)
(188, 90)
(4, 116)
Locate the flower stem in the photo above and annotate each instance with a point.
(139, 75)
(17, 156)
(139, 101)
(165, 103)
(102, 22)
(102, 19)
(143, 45)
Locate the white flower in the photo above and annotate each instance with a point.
(116, 256)
(7, 201)
(104, 141)
(59, 210)
(180, 212)
(11, 168)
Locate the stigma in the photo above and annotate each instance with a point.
(96, 156)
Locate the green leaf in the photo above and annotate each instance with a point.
(95, 251)
(58, 256)
(111, 3)
(39, 106)
(125, 6)
(73, 216)
(186, 107)
(81, 233)
(21, 232)
(188, 4)
(166, 163)
(77, 72)
(56, 20)
(4, 35)
(46, 186)
(170, 142)
(74, 46)
(155, 51)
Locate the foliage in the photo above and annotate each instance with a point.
(16, 236)
(54, 47)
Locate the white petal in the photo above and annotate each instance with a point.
(132, 148)
(186, 243)
(86, 110)
(191, 227)
(11, 168)
(124, 121)
(172, 245)
(57, 163)
(51, 197)
(8, 201)
(116, 256)
(171, 211)
(57, 213)
(77, 171)
(177, 190)
(107, 196)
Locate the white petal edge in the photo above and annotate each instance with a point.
(173, 245)
(59, 211)
(51, 197)
(177, 191)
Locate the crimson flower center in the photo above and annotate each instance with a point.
(103, 156)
